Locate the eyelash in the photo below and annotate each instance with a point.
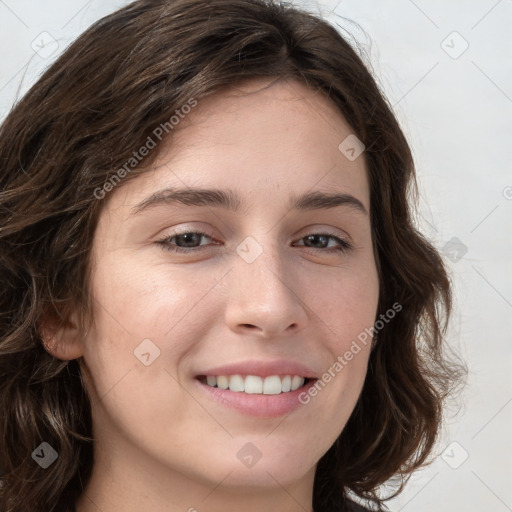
(343, 247)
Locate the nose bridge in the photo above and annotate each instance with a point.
(261, 287)
(261, 264)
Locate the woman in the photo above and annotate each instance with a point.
(293, 361)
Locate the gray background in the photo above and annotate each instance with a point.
(446, 68)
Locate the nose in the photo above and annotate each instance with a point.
(264, 297)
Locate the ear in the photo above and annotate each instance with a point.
(61, 338)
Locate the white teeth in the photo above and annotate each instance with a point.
(297, 382)
(236, 383)
(286, 384)
(222, 382)
(253, 384)
(272, 385)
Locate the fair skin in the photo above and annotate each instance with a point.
(162, 443)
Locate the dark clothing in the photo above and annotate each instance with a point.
(355, 507)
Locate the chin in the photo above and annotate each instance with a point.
(271, 473)
(264, 461)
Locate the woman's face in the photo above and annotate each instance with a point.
(270, 290)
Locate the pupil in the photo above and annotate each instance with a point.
(186, 237)
(312, 237)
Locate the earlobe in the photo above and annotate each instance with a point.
(61, 338)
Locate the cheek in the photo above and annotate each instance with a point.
(141, 301)
(346, 314)
(137, 313)
(168, 304)
(344, 300)
(134, 303)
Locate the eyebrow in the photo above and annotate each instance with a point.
(230, 200)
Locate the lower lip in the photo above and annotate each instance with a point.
(266, 406)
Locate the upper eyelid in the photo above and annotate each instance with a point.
(197, 226)
(346, 239)
(309, 231)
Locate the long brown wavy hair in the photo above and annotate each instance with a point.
(80, 123)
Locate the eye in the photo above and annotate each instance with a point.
(324, 238)
(187, 238)
(187, 242)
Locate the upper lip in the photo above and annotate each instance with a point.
(262, 368)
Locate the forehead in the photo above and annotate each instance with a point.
(265, 139)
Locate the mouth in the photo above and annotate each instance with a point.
(256, 384)
(258, 388)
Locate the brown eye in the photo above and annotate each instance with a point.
(322, 239)
(184, 242)
(188, 242)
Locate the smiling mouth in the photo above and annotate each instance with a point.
(254, 384)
